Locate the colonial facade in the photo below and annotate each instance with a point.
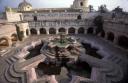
(71, 20)
(100, 60)
(78, 19)
(116, 29)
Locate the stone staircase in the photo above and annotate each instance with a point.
(78, 79)
(12, 60)
(106, 75)
(11, 74)
(107, 71)
(115, 59)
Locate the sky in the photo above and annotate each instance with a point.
(111, 4)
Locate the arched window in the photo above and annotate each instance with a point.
(71, 30)
(4, 42)
(90, 30)
(110, 36)
(81, 30)
(123, 41)
(14, 37)
(102, 34)
(52, 31)
(62, 30)
(42, 31)
(33, 31)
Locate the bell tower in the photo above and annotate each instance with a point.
(80, 4)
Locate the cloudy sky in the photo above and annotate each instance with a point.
(64, 3)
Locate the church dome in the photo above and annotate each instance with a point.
(25, 6)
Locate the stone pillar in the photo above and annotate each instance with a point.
(76, 31)
(25, 35)
(38, 32)
(115, 41)
(32, 75)
(85, 31)
(66, 31)
(47, 32)
(106, 35)
(57, 32)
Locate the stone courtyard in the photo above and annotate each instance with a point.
(111, 67)
(63, 45)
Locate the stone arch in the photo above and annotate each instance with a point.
(52, 31)
(123, 41)
(33, 31)
(81, 30)
(102, 34)
(85, 66)
(90, 30)
(62, 30)
(42, 31)
(27, 32)
(71, 30)
(14, 37)
(110, 36)
(5, 42)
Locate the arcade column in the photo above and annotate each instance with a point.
(57, 32)
(38, 32)
(115, 41)
(47, 32)
(76, 31)
(66, 31)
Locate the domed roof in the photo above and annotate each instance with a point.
(24, 4)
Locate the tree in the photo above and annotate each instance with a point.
(103, 9)
(118, 10)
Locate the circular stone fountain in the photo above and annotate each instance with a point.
(62, 47)
(63, 59)
(59, 52)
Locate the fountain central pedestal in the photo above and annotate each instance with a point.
(60, 51)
